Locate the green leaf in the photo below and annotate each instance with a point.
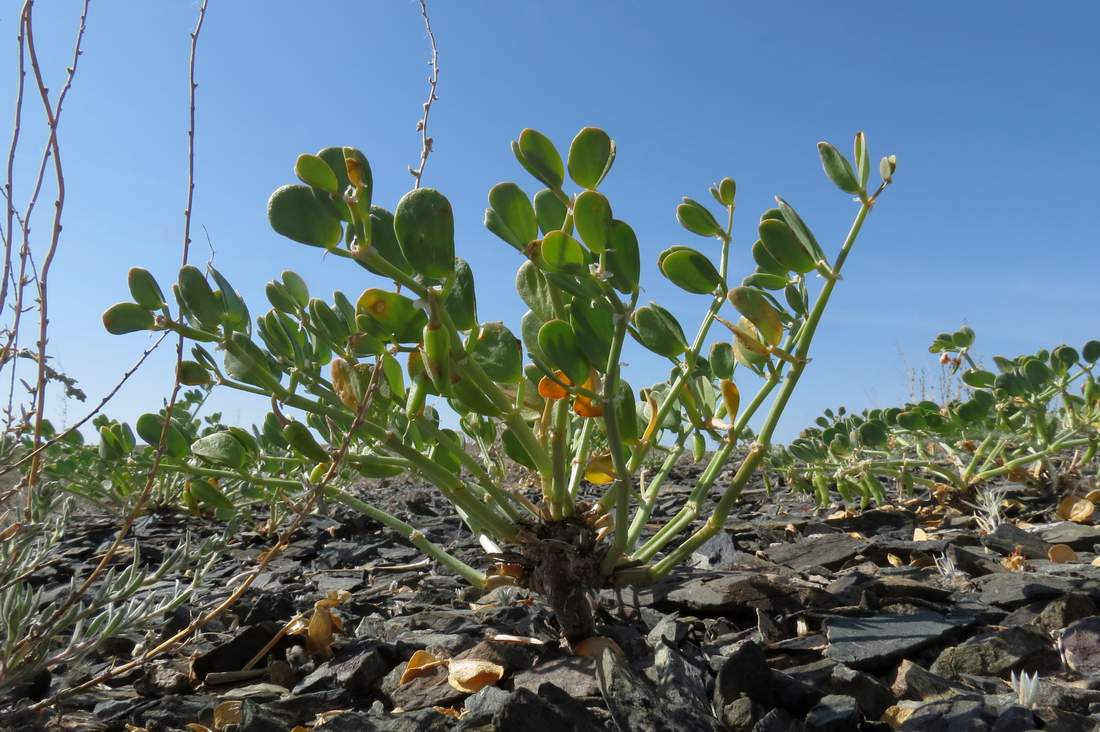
(394, 313)
(1091, 351)
(247, 362)
(752, 304)
(297, 288)
(199, 299)
(515, 450)
(721, 360)
(594, 328)
(590, 157)
(765, 262)
(424, 225)
(295, 212)
(963, 337)
(872, 433)
(534, 291)
(695, 217)
(529, 326)
(622, 259)
(748, 353)
(209, 495)
(539, 157)
(689, 270)
(560, 346)
(659, 331)
(193, 373)
(626, 412)
(863, 159)
(361, 181)
(334, 156)
(784, 246)
(592, 216)
(127, 317)
(236, 312)
(838, 169)
(220, 448)
(468, 397)
(325, 320)
(144, 289)
(499, 353)
(800, 229)
(149, 426)
(511, 216)
(727, 191)
(562, 252)
(550, 211)
(461, 301)
(315, 172)
(765, 280)
(280, 298)
(302, 441)
(978, 379)
(796, 299)
(1037, 373)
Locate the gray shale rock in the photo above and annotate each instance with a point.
(636, 706)
(874, 643)
(996, 654)
(834, 713)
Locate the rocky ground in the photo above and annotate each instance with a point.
(793, 619)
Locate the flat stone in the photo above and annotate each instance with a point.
(948, 715)
(739, 715)
(834, 713)
(829, 551)
(356, 667)
(870, 694)
(744, 673)
(575, 675)
(1053, 615)
(430, 690)
(421, 720)
(919, 684)
(549, 710)
(1080, 646)
(255, 692)
(1012, 589)
(1006, 537)
(1080, 537)
(678, 678)
(635, 705)
(744, 593)
(996, 654)
(875, 642)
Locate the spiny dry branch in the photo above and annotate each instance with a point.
(426, 141)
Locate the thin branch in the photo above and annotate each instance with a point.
(158, 454)
(52, 116)
(84, 420)
(433, 81)
(9, 231)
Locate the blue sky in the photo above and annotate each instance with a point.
(991, 109)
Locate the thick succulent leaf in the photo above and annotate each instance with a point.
(537, 154)
(461, 301)
(499, 353)
(622, 259)
(144, 289)
(753, 305)
(689, 270)
(784, 246)
(295, 212)
(590, 157)
(549, 210)
(562, 349)
(594, 328)
(424, 224)
(696, 218)
(511, 216)
(534, 291)
(838, 168)
(563, 253)
(127, 317)
(220, 448)
(592, 217)
(659, 331)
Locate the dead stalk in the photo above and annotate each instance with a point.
(433, 81)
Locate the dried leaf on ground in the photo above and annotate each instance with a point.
(422, 663)
(1076, 509)
(1060, 554)
(593, 647)
(471, 675)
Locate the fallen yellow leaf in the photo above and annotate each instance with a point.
(920, 534)
(421, 664)
(1075, 508)
(1093, 496)
(1060, 553)
(895, 560)
(227, 713)
(452, 712)
(471, 675)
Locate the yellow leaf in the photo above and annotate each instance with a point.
(1093, 496)
(422, 663)
(471, 675)
(1015, 561)
(857, 536)
(1096, 562)
(895, 560)
(1060, 553)
(600, 470)
(227, 713)
(1074, 508)
(196, 727)
(452, 712)
(920, 534)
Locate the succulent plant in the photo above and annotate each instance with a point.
(552, 398)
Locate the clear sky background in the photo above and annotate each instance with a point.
(991, 108)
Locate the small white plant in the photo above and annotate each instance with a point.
(946, 566)
(1026, 688)
(988, 505)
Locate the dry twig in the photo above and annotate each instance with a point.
(433, 81)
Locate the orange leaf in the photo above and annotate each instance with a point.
(594, 647)
(550, 389)
(1060, 554)
(471, 675)
(422, 663)
(585, 407)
